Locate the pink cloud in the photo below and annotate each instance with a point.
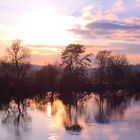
(118, 6)
(132, 20)
(92, 13)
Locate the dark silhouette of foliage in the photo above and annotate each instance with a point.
(101, 60)
(113, 70)
(14, 70)
(46, 79)
(118, 70)
(75, 63)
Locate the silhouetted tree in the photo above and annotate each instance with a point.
(15, 68)
(52, 72)
(134, 80)
(46, 79)
(19, 57)
(5, 69)
(6, 76)
(118, 70)
(102, 61)
(113, 70)
(75, 63)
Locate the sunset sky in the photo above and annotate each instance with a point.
(47, 26)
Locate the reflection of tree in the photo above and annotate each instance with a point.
(101, 115)
(112, 105)
(69, 112)
(75, 110)
(15, 117)
(72, 119)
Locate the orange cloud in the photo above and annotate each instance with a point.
(133, 58)
(44, 50)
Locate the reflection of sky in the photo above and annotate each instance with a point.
(98, 24)
(48, 124)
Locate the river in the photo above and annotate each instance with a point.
(94, 117)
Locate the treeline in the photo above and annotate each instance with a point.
(17, 78)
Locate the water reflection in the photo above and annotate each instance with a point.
(59, 115)
(75, 114)
(49, 110)
(112, 105)
(15, 119)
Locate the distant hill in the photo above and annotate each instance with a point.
(136, 67)
(36, 67)
(90, 70)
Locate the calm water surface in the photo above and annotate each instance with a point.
(97, 117)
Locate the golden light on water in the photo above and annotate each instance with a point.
(59, 114)
(56, 113)
(49, 110)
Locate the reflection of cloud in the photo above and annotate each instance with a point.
(134, 120)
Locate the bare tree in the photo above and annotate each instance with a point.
(102, 61)
(19, 57)
(113, 70)
(118, 70)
